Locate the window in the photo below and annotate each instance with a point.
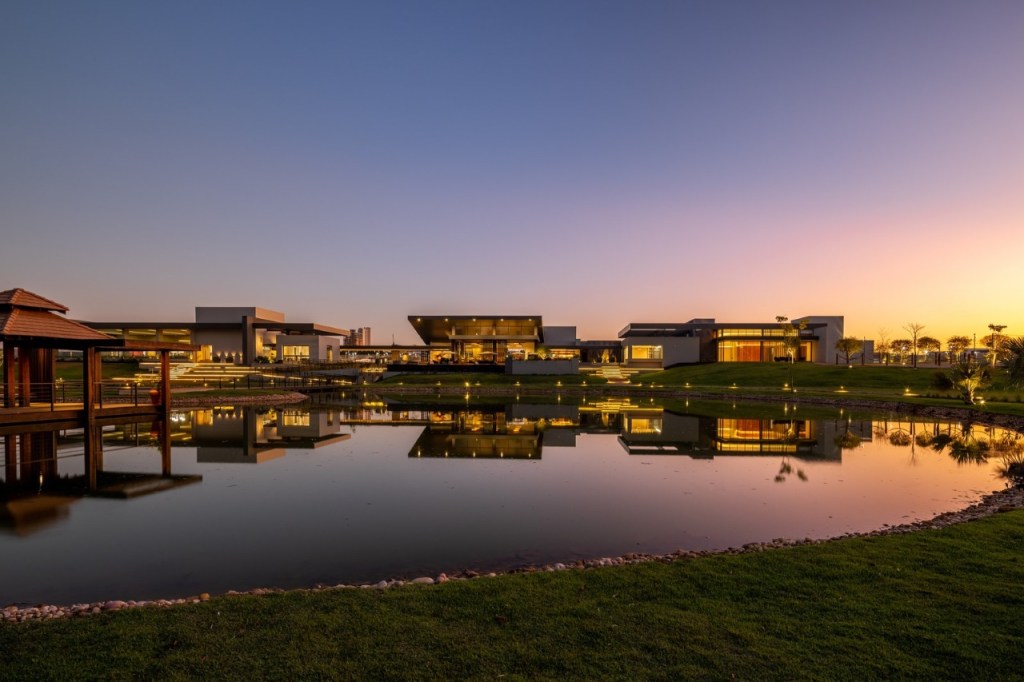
(646, 353)
(640, 426)
(294, 418)
(295, 353)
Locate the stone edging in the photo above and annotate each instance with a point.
(1005, 500)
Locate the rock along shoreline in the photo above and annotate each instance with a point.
(1008, 499)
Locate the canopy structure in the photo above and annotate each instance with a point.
(33, 327)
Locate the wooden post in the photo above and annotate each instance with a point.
(42, 369)
(45, 447)
(11, 458)
(165, 384)
(165, 446)
(26, 457)
(24, 377)
(89, 386)
(9, 375)
(93, 455)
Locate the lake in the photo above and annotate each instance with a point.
(363, 490)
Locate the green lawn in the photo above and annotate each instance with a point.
(864, 382)
(486, 379)
(72, 371)
(931, 605)
(802, 375)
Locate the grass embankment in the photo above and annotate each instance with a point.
(935, 605)
(460, 379)
(906, 384)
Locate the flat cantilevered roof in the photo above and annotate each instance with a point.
(439, 328)
(644, 329)
(312, 328)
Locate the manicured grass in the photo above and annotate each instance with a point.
(72, 371)
(931, 605)
(869, 382)
(802, 375)
(486, 379)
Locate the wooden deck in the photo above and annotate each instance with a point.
(66, 415)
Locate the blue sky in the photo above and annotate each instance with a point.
(594, 162)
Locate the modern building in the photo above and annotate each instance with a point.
(660, 345)
(238, 335)
(359, 337)
(484, 339)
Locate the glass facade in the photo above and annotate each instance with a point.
(294, 353)
(762, 435)
(646, 352)
(761, 351)
(719, 333)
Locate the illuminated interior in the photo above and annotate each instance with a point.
(646, 352)
(761, 351)
(295, 353)
(478, 339)
(763, 435)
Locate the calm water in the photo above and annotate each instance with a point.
(292, 497)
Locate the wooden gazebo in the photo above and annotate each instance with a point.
(33, 328)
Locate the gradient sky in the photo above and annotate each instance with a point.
(593, 162)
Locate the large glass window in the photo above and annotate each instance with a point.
(295, 418)
(295, 353)
(644, 425)
(646, 352)
(739, 351)
(748, 332)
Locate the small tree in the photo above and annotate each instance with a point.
(848, 346)
(900, 348)
(883, 346)
(790, 336)
(914, 329)
(956, 345)
(993, 341)
(968, 376)
(930, 344)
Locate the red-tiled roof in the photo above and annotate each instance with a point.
(19, 298)
(43, 324)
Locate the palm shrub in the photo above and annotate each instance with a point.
(1014, 349)
(968, 376)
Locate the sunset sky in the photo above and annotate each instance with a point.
(597, 163)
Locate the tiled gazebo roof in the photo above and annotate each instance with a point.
(24, 315)
(19, 298)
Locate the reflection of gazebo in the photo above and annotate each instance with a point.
(32, 328)
(36, 492)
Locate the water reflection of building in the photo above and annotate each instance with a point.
(522, 430)
(517, 431)
(248, 436)
(706, 436)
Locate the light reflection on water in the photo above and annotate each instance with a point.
(291, 497)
